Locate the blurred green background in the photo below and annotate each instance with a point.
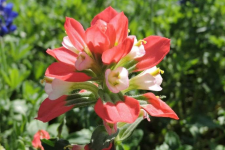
(194, 78)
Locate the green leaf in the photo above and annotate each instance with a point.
(172, 139)
(34, 126)
(54, 144)
(60, 127)
(39, 68)
(53, 128)
(19, 51)
(14, 77)
(81, 137)
(48, 144)
(126, 129)
(19, 106)
(135, 139)
(110, 97)
(31, 91)
(81, 99)
(100, 139)
(60, 144)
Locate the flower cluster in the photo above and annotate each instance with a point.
(98, 61)
(6, 18)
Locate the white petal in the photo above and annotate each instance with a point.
(158, 79)
(151, 69)
(155, 87)
(48, 88)
(121, 79)
(83, 61)
(59, 88)
(68, 45)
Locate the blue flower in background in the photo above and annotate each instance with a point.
(6, 18)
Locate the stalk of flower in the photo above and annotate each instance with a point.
(104, 54)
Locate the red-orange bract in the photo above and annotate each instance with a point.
(41, 134)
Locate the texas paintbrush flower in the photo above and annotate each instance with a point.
(104, 54)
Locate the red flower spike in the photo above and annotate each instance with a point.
(96, 40)
(75, 32)
(123, 111)
(158, 108)
(120, 23)
(65, 72)
(106, 15)
(114, 54)
(63, 55)
(156, 49)
(51, 109)
(41, 134)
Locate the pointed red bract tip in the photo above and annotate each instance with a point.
(114, 54)
(158, 108)
(75, 32)
(120, 24)
(65, 72)
(156, 49)
(96, 40)
(63, 55)
(106, 15)
(123, 111)
(51, 109)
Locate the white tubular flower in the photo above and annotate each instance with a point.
(84, 61)
(68, 45)
(117, 79)
(149, 79)
(137, 50)
(56, 88)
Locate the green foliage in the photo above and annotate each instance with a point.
(55, 144)
(126, 129)
(194, 81)
(100, 139)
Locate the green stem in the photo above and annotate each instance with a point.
(3, 64)
(131, 87)
(3, 60)
(87, 86)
